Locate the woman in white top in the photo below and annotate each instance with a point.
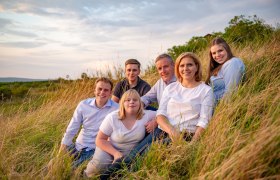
(225, 71)
(186, 105)
(120, 132)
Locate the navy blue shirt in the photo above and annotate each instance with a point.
(142, 87)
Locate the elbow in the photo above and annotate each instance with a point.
(158, 118)
(97, 142)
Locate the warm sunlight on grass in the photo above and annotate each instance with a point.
(241, 142)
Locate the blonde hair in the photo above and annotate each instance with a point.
(129, 93)
(198, 74)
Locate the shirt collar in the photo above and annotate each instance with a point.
(173, 79)
(108, 103)
(127, 82)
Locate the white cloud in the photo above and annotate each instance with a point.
(49, 39)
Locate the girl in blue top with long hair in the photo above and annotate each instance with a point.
(225, 70)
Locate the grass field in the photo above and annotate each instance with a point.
(241, 142)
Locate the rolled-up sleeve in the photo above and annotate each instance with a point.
(206, 109)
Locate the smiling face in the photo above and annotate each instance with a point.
(165, 69)
(219, 53)
(131, 72)
(187, 69)
(102, 93)
(131, 104)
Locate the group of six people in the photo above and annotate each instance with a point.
(118, 125)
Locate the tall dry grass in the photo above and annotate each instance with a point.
(243, 138)
(29, 139)
(241, 142)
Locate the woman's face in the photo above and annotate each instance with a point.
(219, 53)
(187, 68)
(131, 104)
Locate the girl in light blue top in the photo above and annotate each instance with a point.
(225, 71)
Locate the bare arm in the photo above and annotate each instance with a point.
(197, 133)
(115, 98)
(167, 127)
(103, 143)
(62, 149)
(151, 125)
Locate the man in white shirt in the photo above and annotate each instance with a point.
(88, 116)
(165, 67)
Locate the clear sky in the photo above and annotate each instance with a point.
(55, 38)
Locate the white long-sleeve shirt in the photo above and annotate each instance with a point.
(155, 93)
(90, 117)
(187, 108)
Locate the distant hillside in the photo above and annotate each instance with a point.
(17, 79)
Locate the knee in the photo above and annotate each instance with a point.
(91, 169)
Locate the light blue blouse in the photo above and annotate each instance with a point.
(88, 117)
(228, 78)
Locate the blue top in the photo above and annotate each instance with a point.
(88, 116)
(142, 87)
(228, 78)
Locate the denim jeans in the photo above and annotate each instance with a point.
(140, 149)
(218, 86)
(151, 108)
(79, 156)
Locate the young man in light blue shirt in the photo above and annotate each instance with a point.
(88, 116)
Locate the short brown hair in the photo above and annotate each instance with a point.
(133, 61)
(130, 92)
(104, 79)
(198, 74)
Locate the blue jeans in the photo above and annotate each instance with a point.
(79, 156)
(140, 149)
(151, 108)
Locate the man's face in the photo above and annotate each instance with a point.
(102, 91)
(131, 72)
(165, 69)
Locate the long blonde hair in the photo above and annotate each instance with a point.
(129, 93)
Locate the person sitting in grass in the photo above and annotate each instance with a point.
(225, 71)
(186, 106)
(119, 133)
(88, 116)
(165, 67)
(131, 81)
